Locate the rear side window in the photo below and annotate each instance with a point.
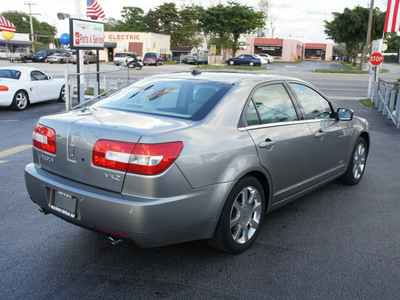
(120, 54)
(11, 74)
(187, 99)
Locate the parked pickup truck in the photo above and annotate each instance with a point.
(21, 54)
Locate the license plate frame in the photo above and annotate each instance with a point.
(64, 203)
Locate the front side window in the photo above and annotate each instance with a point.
(188, 99)
(315, 106)
(37, 75)
(273, 104)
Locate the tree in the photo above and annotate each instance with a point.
(243, 20)
(133, 19)
(188, 35)
(215, 21)
(393, 43)
(164, 19)
(44, 32)
(229, 23)
(111, 24)
(350, 27)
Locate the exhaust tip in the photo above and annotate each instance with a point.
(113, 241)
(43, 211)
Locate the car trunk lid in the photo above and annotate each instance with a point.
(77, 133)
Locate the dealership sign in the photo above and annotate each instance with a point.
(86, 34)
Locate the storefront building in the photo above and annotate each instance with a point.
(139, 42)
(289, 49)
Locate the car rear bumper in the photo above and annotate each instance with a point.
(6, 97)
(148, 222)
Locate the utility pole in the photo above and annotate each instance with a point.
(365, 49)
(30, 3)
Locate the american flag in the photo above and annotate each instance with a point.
(94, 10)
(392, 21)
(6, 25)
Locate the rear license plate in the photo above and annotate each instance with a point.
(64, 203)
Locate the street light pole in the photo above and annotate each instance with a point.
(30, 3)
(366, 47)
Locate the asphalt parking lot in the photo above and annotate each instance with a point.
(338, 242)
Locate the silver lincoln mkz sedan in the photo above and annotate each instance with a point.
(188, 156)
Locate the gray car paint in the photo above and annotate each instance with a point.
(184, 202)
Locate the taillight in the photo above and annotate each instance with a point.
(3, 88)
(145, 159)
(44, 138)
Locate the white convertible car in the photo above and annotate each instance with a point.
(21, 86)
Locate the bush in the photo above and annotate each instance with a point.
(391, 59)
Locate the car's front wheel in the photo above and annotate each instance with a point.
(356, 167)
(231, 62)
(20, 101)
(241, 217)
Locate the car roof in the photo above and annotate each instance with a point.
(228, 77)
(21, 69)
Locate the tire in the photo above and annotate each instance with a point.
(138, 67)
(61, 97)
(356, 167)
(251, 64)
(20, 101)
(231, 62)
(240, 220)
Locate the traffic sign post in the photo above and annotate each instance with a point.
(375, 59)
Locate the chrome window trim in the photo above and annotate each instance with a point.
(276, 124)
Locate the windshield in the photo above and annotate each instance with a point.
(42, 52)
(187, 99)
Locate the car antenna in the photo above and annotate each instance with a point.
(196, 72)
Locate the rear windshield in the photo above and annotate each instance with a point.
(12, 74)
(188, 99)
(150, 55)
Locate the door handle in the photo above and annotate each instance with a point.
(320, 134)
(267, 144)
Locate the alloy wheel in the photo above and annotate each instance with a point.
(245, 215)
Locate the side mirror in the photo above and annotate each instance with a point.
(344, 114)
(49, 77)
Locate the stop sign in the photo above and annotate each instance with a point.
(376, 58)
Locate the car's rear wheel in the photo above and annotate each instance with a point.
(20, 101)
(251, 64)
(356, 167)
(241, 217)
(61, 98)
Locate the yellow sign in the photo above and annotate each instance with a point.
(213, 49)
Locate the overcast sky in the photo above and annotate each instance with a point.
(301, 19)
